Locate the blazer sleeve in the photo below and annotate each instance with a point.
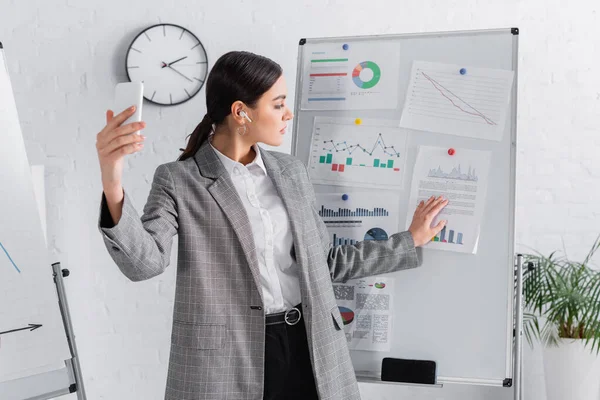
(141, 247)
(365, 258)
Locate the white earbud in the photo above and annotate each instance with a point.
(244, 115)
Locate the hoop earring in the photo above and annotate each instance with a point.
(242, 133)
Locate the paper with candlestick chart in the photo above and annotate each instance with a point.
(370, 155)
(461, 177)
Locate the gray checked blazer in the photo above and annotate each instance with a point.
(218, 332)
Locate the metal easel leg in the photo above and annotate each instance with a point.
(66, 316)
(518, 370)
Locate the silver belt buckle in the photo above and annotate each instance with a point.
(287, 316)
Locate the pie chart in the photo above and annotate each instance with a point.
(347, 315)
(376, 234)
(362, 66)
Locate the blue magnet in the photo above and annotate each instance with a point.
(345, 47)
(463, 71)
(344, 197)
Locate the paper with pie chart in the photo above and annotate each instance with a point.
(462, 179)
(345, 154)
(366, 306)
(351, 76)
(352, 217)
(458, 100)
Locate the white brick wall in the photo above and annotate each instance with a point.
(66, 56)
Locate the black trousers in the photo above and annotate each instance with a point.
(288, 372)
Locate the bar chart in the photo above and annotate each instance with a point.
(354, 217)
(357, 212)
(449, 236)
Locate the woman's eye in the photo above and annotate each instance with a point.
(279, 106)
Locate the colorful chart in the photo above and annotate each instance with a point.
(347, 315)
(330, 146)
(376, 234)
(366, 65)
(379, 285)
(441, 237)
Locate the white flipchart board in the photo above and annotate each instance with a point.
(32, 361)
(456, 309)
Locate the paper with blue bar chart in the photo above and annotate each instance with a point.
(366, 155)
(351, 76)
(457, 99)
(462, 179)
(367, 308)
(361, 216)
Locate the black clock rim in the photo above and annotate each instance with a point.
(176, 26)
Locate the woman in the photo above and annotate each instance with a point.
(255, 315)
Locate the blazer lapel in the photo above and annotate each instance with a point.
(288, 192)
(225, 194)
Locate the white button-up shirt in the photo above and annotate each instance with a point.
(279, 273)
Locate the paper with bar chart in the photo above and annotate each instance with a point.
(351, 76)
(367, 307)
(462, 179)
(458, 100)
(352, 155)
(352, 217)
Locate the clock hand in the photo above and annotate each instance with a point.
(180, 73)
(164, 64)
(182, 58)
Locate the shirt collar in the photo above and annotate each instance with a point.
(229, 164)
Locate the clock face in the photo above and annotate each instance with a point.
(170, 61)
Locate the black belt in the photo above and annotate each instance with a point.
(290, 317)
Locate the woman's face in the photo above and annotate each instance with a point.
(270, 115)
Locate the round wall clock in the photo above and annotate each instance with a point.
(170, 61)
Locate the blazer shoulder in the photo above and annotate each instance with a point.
(287, 161)
(177, 168)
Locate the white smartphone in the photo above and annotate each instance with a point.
(129, 94)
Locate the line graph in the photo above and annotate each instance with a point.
(370, 156)
(351, 148)
(441, 89)
(441, 99)
(456, 173)
(9, 258)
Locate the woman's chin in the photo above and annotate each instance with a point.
(273, 141)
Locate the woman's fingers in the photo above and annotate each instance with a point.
(120, 118)
(127, 129)
(438, 228)
(106, 139)
(120, 141)
(432, 205)
(436, 207)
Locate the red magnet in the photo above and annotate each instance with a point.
(451, 151)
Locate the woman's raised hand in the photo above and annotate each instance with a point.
(421, 228)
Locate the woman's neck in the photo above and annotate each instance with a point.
(236, 149)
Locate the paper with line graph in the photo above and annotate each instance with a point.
(357, 155)
(473, 103)
(462, 179)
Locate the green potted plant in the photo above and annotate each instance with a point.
(562, 312)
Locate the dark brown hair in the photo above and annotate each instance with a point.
(236, 76)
